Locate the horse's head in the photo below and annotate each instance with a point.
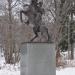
(26, 7)
(33, 14)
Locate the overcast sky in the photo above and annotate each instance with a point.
(2, 1)
(24, 1)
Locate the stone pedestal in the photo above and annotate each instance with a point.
(38, 59)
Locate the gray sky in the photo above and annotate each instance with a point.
(24, 1)
(2, 1)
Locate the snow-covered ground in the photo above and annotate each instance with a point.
(6, 69)
(70, 68)
(66, 71)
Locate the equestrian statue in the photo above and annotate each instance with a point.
(34, 12)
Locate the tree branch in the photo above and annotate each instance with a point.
(15, 3)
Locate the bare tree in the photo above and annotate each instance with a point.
(8, 34)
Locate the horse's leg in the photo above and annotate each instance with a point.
(49, 38)
(36, 35)
(45, 33)
(35, 30)
(33, 38)
(21, 15)
(23, 12)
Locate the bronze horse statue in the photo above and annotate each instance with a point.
(34, 13)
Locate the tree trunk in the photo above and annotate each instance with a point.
(9, 46)
(72, 51)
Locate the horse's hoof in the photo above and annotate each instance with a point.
(31, 40)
